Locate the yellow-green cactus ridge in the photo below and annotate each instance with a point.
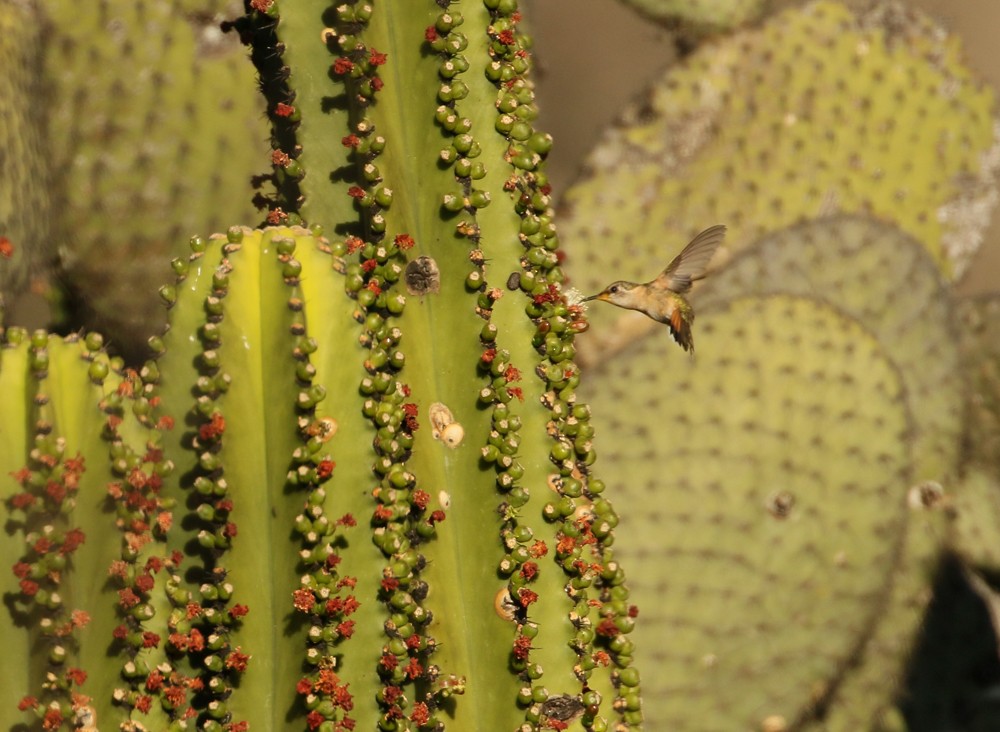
(817, 111)
(85, 494)
(431, 335)
(156, 131)
(24, 194)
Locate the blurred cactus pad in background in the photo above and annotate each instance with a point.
(340, 471)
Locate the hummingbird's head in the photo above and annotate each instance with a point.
(620, 293)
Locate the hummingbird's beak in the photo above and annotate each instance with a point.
(593, 297)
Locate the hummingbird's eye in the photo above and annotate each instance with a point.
(613, 289)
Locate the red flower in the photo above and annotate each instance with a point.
(390, 583)
(404, 241)
(607, 628)
(303, 600)
(22, 500)
(356, 192)
(325, 469)
(127, 598)
(6, 248)
(212, 429)
(237, 660)
(284, 110)
(526, 596)
(77, 675)
(350, 141)
(154, 682)
(413, 669)
(522, 647)
(430, 34)
(343, 66)
(421, 714)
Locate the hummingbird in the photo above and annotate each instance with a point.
(663, 298)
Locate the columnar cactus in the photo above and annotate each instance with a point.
(355, 488)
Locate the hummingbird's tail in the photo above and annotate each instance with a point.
(680, 329)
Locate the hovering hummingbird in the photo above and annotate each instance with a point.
(662, 299)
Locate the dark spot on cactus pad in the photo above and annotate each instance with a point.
(563, 708)
(422, 276)
(780, 504)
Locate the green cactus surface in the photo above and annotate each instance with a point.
(24, 192)
(375, 473)
(818, 111)
(701, 16)
(156, 131)
(779, 139)
(762, 551)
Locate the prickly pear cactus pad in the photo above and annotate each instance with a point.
(156, 130)
(702, 16)
(818, 111)
(24, 195)
(884, 278)
(978, 510)
(980, 348)
(773, 521)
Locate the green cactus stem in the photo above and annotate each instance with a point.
(384, 511)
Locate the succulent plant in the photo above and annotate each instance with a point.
(355, 487)
(818, 433)
(156, 130)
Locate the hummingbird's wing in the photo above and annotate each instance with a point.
(690, 264)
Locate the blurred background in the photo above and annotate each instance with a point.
(596, 56)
